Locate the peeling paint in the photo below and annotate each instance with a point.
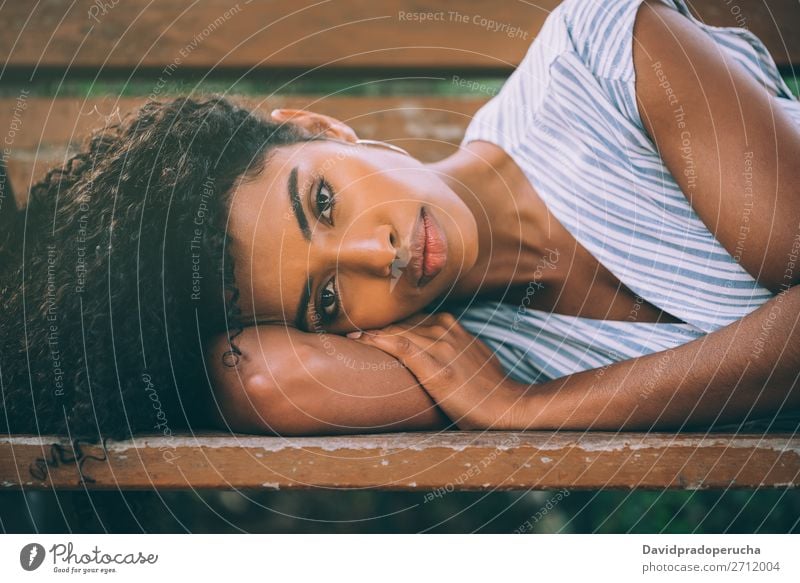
(782, 445)
(397, 443)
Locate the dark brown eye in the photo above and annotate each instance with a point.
(324, 201)
(327, 298)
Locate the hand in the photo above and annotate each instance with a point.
(457, 370)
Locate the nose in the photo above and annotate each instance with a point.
(370, 253)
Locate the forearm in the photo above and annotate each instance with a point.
(749, 368)
(293, 383)
(352, 388)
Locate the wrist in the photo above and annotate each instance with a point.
(520, 411)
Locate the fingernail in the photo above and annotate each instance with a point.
(354, 335)
(277, 112)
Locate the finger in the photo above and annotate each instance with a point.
(404, 347)
(416, 332)
(445, 328)
(401, 346)
(427, 337)
(433, 326)
(435, 375)
(391, 330)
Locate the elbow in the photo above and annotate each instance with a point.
(256, 395)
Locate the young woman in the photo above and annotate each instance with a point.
(614, 246)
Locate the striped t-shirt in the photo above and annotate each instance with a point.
(568, 117)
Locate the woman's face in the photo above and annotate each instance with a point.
(340, 237)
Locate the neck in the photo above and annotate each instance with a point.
(512, 221)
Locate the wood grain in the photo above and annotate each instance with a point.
(409, 461)
(96, 35)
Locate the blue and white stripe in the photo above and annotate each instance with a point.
(568, 118)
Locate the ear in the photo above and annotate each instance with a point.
(315, 124)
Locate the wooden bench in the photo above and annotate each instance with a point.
(408, 461)
(416, 81)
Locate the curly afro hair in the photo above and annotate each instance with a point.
(117, 273)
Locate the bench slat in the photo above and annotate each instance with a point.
(345, 34)
(410, 461)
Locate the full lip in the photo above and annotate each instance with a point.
(427, 249)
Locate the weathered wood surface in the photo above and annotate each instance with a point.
(95, 38)
(408, 461)
(307, 34)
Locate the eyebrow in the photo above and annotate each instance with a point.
(300, 321)
(297, 205)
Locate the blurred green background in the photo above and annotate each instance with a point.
(732, 511)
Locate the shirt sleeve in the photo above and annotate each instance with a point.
(503, 119)
(601, 32)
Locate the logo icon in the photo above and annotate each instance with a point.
(31, 556)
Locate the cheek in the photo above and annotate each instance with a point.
(372, 305)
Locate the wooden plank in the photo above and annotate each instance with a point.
(46, 130)
(303, 34)
(275, 34)
(424, 462)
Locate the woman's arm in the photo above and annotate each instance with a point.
(734, 153)
(725, 139)
(294, 383)
(748, 368)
